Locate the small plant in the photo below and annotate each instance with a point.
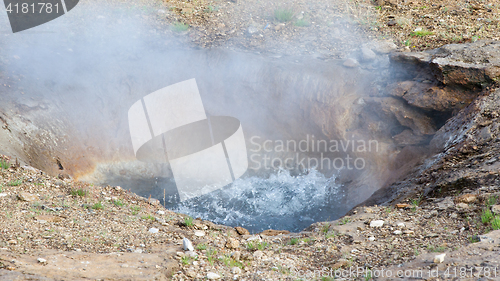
(257, 245)
(98, 206)
(118, 203)
(148, 217)
(436, 249)
(473, 239)
(15, 183)
(186, 260)
(330, 235)
(378, 8)
(302, 23)
(180, 27)
(4, 164)
(210, 256)
(345, 220)
(325, 228)
(135, 210)
(293, 241)
(211, 8)
(283, 15)
(475, 38)
(188, 221)
(495, 223)
(486, 216)
(492, 200)
(421, 33)
(407, 43)
(78, 192)
(201, 247)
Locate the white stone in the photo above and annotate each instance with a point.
(368, 54)
(213, 276)
(153, 230)
(186, 245)
(160, 212)
(439, 258)
(398, 232)
(255, 237)
(377, 223)
(371, 238)
(199, 233)
(40, 260)
(191, 254)
(401, 224)
(236, 270)
(495, 209)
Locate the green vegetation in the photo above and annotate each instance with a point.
(345, 220)
(135, 210)
(486, 216)
(188, 221)
(180, 27)
(495, 223)
(211, 8)
(302, 23)
(439, 249)
(148, 217)
(283, 15)
(230, 262)
(294, 241)
(201, 247)
(421, 33)
(4, 164)
(97, 206)
(15, 183)
(325, 228)
(257, 245)
(210, 255)
(118, 203)
(78, 192)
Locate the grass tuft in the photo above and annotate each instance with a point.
(283, 15)
(180, 27)
(98, 206)
(421, 33)
(302, 23)
(78, 192)
(4, 164)
(188, 221)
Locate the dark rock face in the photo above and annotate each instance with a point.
(468, 154)
(466, 149)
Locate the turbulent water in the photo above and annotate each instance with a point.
(281, 201)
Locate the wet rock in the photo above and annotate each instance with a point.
(351, 63)
(272, 232)
(186, 245)
(242, 231)
(27, 197)
(367, 54)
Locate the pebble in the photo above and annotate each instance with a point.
(153, 230)
(236, 270)
(495, 209)
(236, 255)
(401, 224)
(232, 243)
(398, 232)
(439, 258)
(258, 254)
(27, 197)
(371, 238)
(43, 261)
(191, 254)
(376, 223)
(213, 276)
(160, 212)
(199, 233)
(186, 245)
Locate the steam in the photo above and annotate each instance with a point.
(81, 73)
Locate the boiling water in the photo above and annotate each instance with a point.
(282, 202)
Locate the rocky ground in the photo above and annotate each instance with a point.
(79, 231)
